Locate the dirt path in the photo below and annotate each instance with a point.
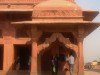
(92, 72)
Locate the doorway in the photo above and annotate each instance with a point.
(55, 49)
(1, 57)
(22, 57)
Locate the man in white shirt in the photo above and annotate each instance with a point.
(71, 60)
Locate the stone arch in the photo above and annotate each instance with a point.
(61, 39)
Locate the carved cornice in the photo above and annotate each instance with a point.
(61, 39)
(56, 13)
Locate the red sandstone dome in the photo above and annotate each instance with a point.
(57, 9)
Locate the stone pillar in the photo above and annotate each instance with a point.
(80, 51)
(34, 58)
(34, 52)
(80, 57)
(8, 58)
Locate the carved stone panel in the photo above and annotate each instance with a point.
(61, 39)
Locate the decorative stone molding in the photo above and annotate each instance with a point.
(55, 13)
(61, 39)
(60, 9)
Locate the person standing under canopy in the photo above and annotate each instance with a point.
(71, 60)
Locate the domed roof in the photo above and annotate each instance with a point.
(56, 9)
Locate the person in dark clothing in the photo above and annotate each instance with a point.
(54, 65)
(17, 63)
(29, 63)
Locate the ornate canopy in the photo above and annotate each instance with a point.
(51, 9)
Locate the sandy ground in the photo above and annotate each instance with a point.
(92, 72)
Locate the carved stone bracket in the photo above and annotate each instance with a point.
(81, 31)
(35, 33)
(61, 39)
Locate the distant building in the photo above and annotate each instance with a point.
(92, 65)
(94, 62)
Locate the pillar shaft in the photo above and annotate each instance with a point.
(34, 59)
(80, 57)
(80, 50)
(8, 57)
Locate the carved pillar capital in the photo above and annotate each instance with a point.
(80, 31)
(35, 33)
(34, 39)
(80, 40)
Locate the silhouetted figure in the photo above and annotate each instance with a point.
(71, 59)
(54, 65)
(17, 63)
(29, 63)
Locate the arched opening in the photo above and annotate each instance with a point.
(59, 49)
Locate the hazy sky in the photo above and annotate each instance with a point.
(92, 41)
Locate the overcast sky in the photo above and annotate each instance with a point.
(92, 41)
